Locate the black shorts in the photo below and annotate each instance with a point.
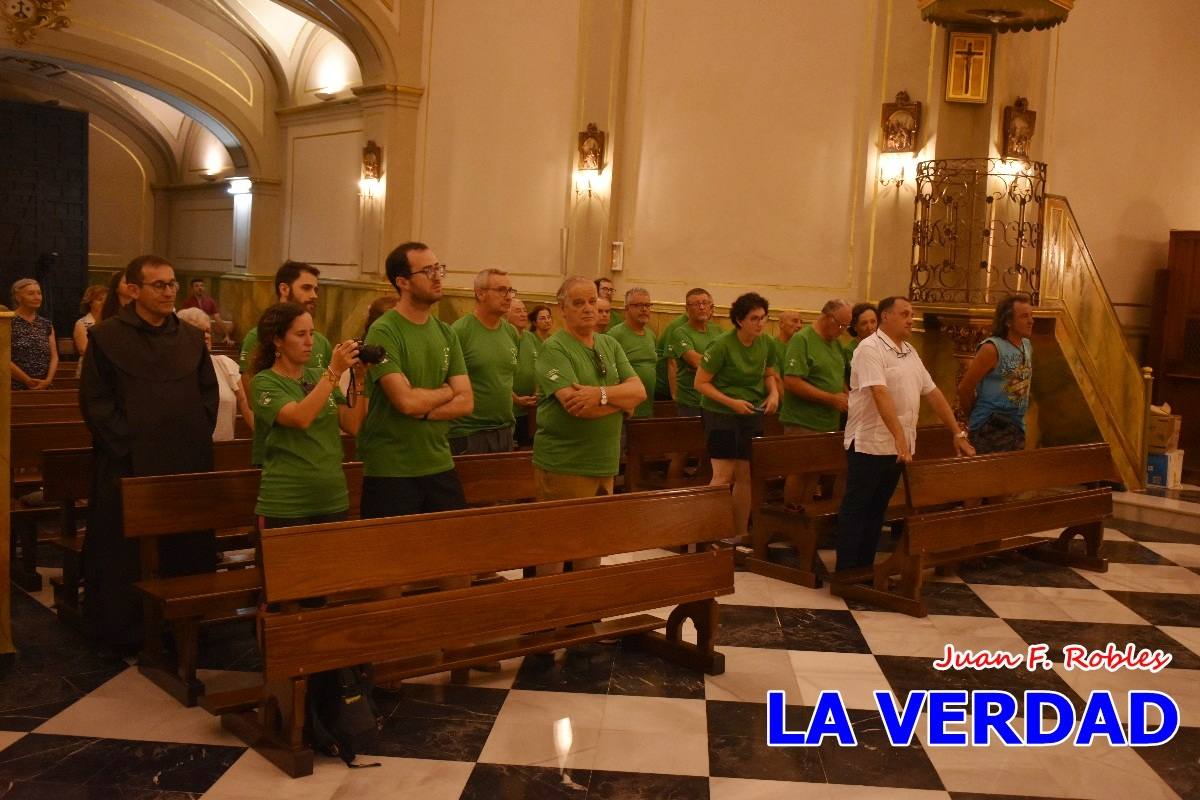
(397, 497)
(729, 435)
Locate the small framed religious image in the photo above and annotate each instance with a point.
(1019, 125)
(968, 64)
(901, 125)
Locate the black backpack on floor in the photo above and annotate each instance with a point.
(342, 717)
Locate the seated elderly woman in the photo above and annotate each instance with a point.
(34, 349)
(229, 380)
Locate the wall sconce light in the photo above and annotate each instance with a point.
(893, 169)
(326, 94)
(369, 184)
(239, 186)
(591, 148)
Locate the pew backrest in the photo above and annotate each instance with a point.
(659, 439)
(373, 554)
(46, 397)
(939, 481)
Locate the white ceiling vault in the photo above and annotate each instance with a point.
(196, 84)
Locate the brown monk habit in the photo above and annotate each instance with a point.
(149, 396)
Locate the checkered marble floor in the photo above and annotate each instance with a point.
(607, 722)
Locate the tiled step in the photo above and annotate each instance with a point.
(1164, 512)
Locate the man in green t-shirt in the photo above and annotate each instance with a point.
(490, 347)
(524, 381)
(606, 292)
(814, 373)
(789, 323)
(687, 345)
(588, 386)
(814, 380)
(664, 372)
(637, 340)
(414, 394)
(295, 282)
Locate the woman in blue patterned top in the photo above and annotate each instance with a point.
(994, 392)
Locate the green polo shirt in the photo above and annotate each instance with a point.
(738, 371)
(524, 380)
(566, 444)
(392, 444)
(662, 380)
(319, 358)
(821, 363)
(491, 359)
(302, 467)
(684, 338)
(642, 352)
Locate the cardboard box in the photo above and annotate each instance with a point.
(1165, 469)
(1164, 432)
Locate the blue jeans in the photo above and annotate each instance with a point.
(870, 483)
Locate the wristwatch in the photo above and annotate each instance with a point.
(961, 435)
(603, 396)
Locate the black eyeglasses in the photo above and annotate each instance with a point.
(901, 353)
(432, 271)
(161, 286)
(600, 367)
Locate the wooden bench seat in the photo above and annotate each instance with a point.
(816, 461)
(167, 504)
(1028, 491)
(46, 397)
(456, 628)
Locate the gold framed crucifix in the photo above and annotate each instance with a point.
(968, 64)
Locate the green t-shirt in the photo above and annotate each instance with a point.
(642, 353)
(662, 380)
(319, 358)
(821, 363)
(778, 351)
(392, 444)
(569, 445)
(302, 467)
(491, 358)
(737, 370)
(684, 338)
(524, 380)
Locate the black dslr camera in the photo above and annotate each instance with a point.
(371, 353)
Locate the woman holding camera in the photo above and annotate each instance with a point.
(736, 382)
(303, 412)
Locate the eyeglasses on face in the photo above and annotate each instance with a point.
(432, 271)
(700, 304)
(161, 286)
(640, 306)
(503, 291)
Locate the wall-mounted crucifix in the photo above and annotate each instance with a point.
(968, 64)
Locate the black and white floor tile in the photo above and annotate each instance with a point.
(604, 721)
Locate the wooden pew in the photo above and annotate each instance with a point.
(816, 460)
(27, 442)
(659, 448)
(64, 381)
(45, 397)
(353, 563)
(1030, 490)
(671, 452)
(46, 412)
(167, 504)
(67, 482)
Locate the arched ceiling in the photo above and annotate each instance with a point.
(227, 65)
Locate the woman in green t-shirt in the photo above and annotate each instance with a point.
(736, 383)
(303, 412)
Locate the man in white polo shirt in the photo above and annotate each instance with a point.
(887, 381)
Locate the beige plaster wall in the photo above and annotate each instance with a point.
(120, 203)
(496, 137)
(1121, 135)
